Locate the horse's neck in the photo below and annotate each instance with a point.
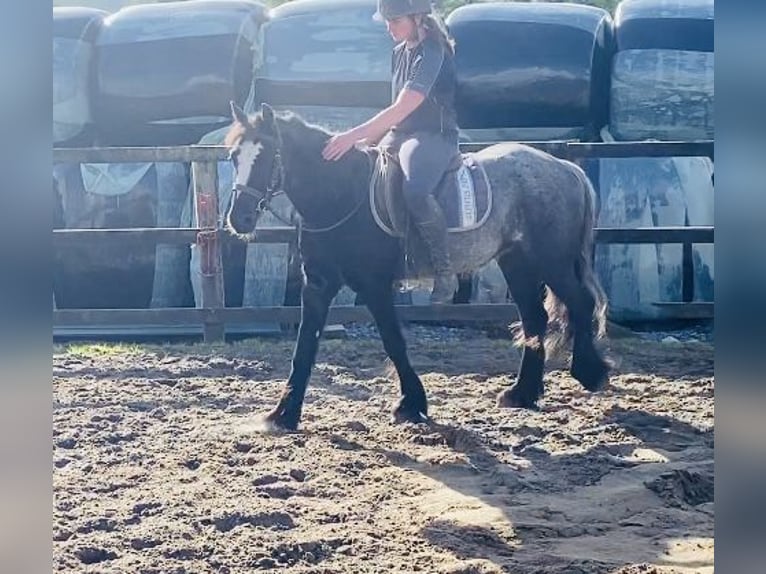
(311, 181)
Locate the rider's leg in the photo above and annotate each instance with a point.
(423, 158)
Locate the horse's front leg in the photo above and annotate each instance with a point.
(317, 293)
(413, 405)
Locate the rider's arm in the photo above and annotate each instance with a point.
(424, 74)
(377, 126)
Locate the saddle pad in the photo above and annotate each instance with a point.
(464, 195)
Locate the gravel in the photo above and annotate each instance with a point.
(702, 332)
(419, 332)
(697, 332)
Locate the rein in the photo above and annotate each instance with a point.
(345, 218)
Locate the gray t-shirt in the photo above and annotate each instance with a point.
(427, 68)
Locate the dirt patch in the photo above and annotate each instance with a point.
(159, 465)
(681, 487)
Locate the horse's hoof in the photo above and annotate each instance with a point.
(598, 384)
(408, 415)
(513, 399)
(592, 380)
(277, 422)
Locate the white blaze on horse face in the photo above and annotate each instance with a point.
(248, 153)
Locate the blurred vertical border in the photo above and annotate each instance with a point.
(25, 285)
(740, 290)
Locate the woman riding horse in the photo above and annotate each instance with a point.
(420, 126)
(539, 228)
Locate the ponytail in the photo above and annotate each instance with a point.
(435, 26)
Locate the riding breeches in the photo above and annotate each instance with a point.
(423, 157)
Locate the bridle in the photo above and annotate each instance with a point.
(275, 188)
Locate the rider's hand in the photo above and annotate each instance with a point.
(338, 145)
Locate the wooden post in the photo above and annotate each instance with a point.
(687, 268)
(205, 181)
(687, 273)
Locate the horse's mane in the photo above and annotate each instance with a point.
(235, 134)
(291, 120)
(336, 179)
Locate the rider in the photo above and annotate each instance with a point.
(421, 123)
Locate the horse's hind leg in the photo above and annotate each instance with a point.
(379, 299)
(528, 293)
(588, 365)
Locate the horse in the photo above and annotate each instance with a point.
(540, 232)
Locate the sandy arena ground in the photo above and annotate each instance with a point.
(159, 466)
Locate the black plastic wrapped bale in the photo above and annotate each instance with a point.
(172, 286)
(531, 70)
(107, 274)
(326, 60)
(649, 192)
(74, 35)
(166, 72)
(662, 76)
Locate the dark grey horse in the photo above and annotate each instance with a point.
(540, 232)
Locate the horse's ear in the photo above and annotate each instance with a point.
(238, 114)
(267, 112)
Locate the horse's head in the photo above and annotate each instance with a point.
(254, 150)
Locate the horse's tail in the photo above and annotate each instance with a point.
(560, 331)
(584, 264)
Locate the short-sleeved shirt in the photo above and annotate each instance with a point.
(427, 68)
